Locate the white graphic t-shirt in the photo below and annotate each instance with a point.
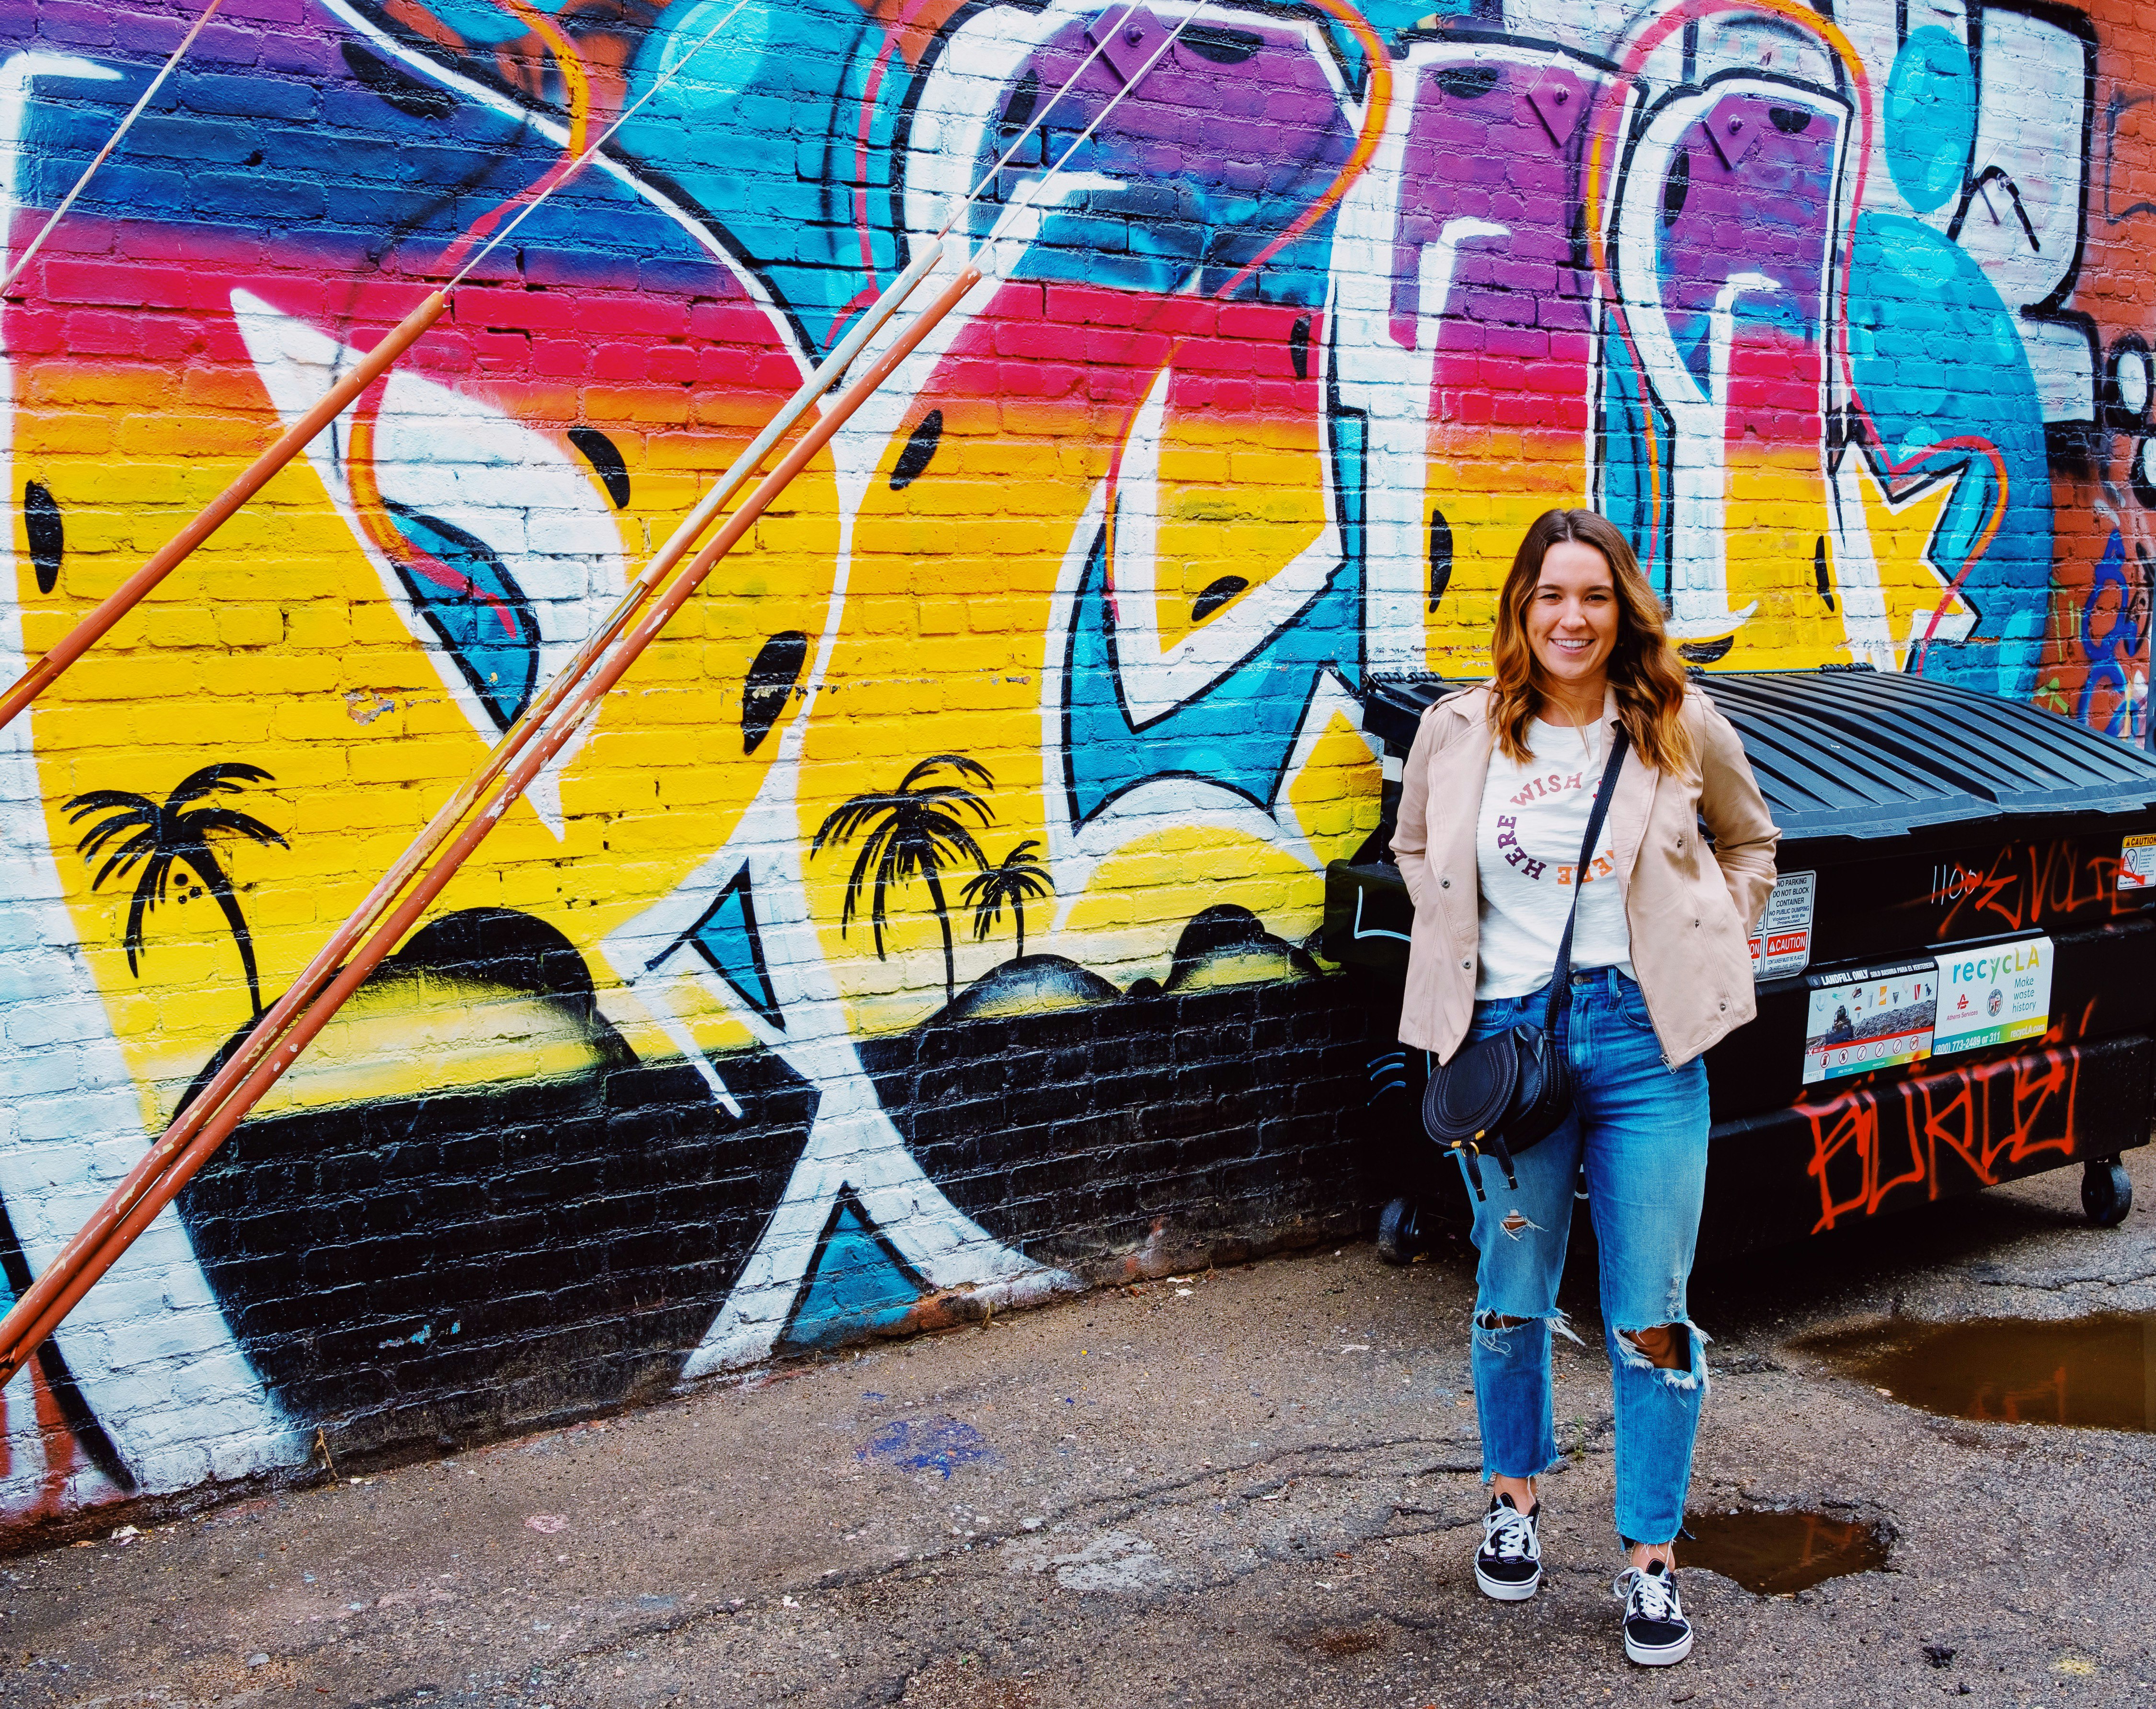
(1527, 848)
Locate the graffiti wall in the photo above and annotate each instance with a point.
(928, 923)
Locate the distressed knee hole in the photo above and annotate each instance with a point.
(1665, 1345)
(1676, 1351)
(1493, 1329)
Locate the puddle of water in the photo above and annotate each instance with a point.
(1778, 1554)
(2099, 1373)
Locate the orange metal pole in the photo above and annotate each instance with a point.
(206, 1121)
(209, 1120)
(265, 1031)
(111, 142)
(86, 634)
(123, 599)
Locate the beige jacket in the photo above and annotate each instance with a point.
(1689, 917)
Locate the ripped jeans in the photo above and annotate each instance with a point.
(1640, 1131)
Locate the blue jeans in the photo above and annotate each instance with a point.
(1639, 1130)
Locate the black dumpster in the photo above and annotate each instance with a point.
(1957, 974)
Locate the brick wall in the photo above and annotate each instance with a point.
(928, 923)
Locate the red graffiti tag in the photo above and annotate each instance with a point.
(1986, 1114)
(2026, 885)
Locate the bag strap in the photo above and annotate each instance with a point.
(1563, 976)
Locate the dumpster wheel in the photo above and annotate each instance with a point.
(1399, 1233)
(2107, 1194)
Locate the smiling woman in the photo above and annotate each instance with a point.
(1257, 392)
(1510, 900)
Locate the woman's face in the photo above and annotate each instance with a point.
(1571, 618)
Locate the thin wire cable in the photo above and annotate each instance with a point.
(271, 1046)
(577, 94)
(98, 622)
(585, 159)
(1032, 124)
(971, 196)
(1084, 136)
(1040, 124)
(111, 142)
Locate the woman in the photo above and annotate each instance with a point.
(1661, 969)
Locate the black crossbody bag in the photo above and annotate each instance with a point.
(1511, 1091)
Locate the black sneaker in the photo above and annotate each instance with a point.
(1509, 1565)
(1657, 1633)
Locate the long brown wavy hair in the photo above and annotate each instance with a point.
(1645, 671)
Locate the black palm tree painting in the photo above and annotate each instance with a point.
(170, 841)
(913, 830)
(1018, 879)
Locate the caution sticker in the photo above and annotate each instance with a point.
(2136, 862)
(1782, 936)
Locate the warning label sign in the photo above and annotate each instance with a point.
(1863, 1018)
(1782, 936)
(2137, 863)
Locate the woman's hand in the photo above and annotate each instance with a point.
(1411, 824)
(1744, 832)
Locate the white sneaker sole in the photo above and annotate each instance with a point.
(1500, 1590)
(1658, 1656)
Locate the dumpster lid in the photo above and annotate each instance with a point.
(1866, 753)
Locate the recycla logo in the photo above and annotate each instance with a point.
(1991, 996)
(2020, 958)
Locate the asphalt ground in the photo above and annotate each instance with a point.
(1248, 1486)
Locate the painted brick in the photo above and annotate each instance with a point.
(477, 1175)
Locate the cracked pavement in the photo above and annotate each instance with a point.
(1204, 1489)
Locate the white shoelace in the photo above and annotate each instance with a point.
(1652, 1596)
(1508, 1534)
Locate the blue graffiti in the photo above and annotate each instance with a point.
(1929, 117)
(2110, 652)
(929, 1446)
(856, 1284)
(1239, 732)
(473, 604)
(762, 136)
(732, 946)
(1937, 357)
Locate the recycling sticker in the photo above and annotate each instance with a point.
(1993, 994)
